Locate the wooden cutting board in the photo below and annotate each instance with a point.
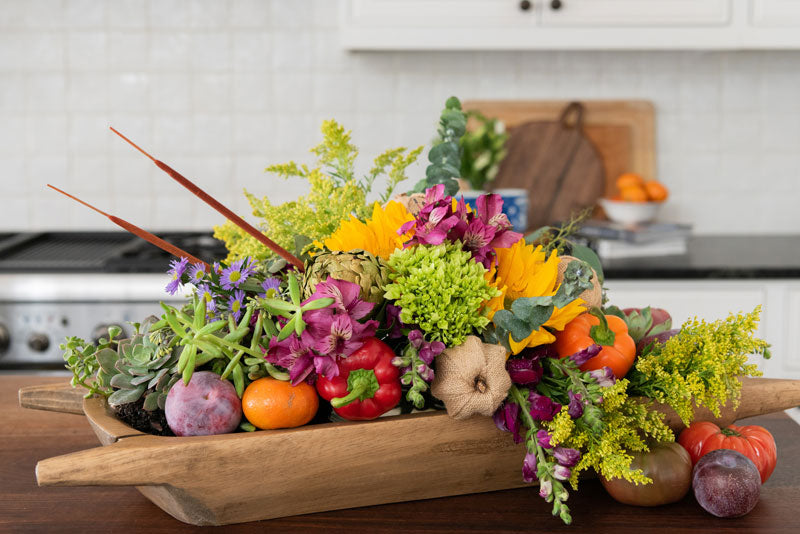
(621, 131)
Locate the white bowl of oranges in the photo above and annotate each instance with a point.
(637, 201)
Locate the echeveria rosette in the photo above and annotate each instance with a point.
(441, 289)
(415, 365)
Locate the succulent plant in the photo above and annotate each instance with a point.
(145, 365)
(359, 267)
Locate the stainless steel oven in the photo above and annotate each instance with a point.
(58, 284)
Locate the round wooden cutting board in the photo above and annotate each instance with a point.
(556, 163)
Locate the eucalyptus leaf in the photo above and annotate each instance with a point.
(533, 312)
(584, 253)
(518, 329)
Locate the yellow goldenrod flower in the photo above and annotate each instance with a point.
(377, 235)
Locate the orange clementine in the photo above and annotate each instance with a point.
(271, 403)
(629, 179)
(656, 191)
(634, 193)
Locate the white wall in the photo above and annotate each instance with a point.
(221, 88)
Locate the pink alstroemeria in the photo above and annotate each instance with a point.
(293, 354)
(490, 212)
(345, 296)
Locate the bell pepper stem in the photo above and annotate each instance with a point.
(361, 384)
(601, 333)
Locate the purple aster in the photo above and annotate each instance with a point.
(583, 356)
(235, 275)
(204, 292)
(524, 371)
(543, 438)
(604, 376)
(575, 409)
(196, 273)
(270, 284)
(542, 408)
(566, 457)
(236, 304)
(177, 268)
(529, 467)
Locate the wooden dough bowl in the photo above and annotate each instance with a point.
(232, 478)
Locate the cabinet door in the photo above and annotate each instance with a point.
(775, 13)
(654, 13)
(440, 14)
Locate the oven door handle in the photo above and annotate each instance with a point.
(53, 397)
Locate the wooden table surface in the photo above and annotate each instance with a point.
(27, 436)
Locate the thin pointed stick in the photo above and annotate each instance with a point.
(139, 232)
(214, 203)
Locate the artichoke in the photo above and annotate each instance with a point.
(357, 266)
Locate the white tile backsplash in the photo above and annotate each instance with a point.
(220, 89)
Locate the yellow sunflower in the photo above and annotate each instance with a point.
(377, 235)
(524, 271)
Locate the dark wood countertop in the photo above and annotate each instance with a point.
(27, 436)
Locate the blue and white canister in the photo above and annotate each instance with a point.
(515, 205)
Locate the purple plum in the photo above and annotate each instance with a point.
(207, 405)
(656, 338)
(726, 483)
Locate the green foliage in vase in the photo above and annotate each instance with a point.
(483, 148)
(81, 358)
(335, 194)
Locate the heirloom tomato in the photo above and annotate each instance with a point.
(753, 441)
(670, 468)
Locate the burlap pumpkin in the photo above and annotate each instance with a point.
(471, 378)
(594, 296)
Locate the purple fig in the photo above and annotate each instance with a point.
(655, 338)
(726, 483)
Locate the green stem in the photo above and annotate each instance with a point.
(602, 333)
(274, 373)
(362, 384)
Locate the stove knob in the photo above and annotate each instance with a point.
(5, 338)
(38, 342)
(101, 330)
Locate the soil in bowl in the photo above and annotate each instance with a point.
(136, 416)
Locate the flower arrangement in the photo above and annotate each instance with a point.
(421, 301)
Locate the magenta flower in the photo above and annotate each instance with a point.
(561, 472)
(566, 457)
(604, 376)
(490, 212)
(427, 350)
(545, 488)
(575, 409)
(334, 334)
(506, 418)
(235, 275)
(345, 296)
(177, 268)
(583, 356)
(293, 354)
(524, 371)
(236, 304)
(393, 320)
(542, 408)
(529, 467)
(543, 438)
(434, 221)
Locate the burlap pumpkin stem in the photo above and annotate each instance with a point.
(471, 378)
(594, 296)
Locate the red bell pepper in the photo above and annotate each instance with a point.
(368, 384)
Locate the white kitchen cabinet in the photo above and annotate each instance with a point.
(569, 24)
(656, 13)
(715, 299)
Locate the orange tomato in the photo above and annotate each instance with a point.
(634, 193)
(629, 179)
(656, 191)
(270, 403)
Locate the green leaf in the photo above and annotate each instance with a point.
(588, 255)
(106, 358)
(123, 382)
(444, 152)
(518, 329)
(533, 311)
(614, 310)
(114, 331)
(639, 322)
(577, 279)
(151, 401)
(142, 379)
(318, 304)
(125, 396)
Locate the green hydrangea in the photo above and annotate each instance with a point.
(441, 289)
